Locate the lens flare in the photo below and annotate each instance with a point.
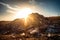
(23, 13)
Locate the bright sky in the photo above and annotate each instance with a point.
(12, 9)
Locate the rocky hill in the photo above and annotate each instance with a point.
(33, 22)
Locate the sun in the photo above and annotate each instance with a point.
(23, 13)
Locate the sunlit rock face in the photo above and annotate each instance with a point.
(37, 20)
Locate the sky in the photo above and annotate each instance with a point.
(46, 8)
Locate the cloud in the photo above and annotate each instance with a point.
(8, 6)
